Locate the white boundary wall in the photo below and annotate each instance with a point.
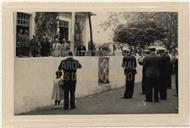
(34, 79)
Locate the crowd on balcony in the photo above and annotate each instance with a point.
(45, 47)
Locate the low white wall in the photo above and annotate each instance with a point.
(34, 78)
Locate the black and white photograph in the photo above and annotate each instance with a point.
(96, 63)
(82, 63)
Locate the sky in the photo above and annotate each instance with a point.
(100, 36)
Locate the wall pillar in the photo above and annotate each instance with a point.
(73, 32)
(32, 25)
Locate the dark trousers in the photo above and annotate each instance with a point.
(57, 102)
(69, 91)
(129, 85)
(143, 84)
(152, 88)
(169, 83)
(26, 51)
(34, 51)
(20, 51)
(163, 87)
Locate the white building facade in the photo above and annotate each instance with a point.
(67, 26)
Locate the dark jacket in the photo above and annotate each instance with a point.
(129, 64)
(26, 40)
(151, 66)
(69, 67)
(165, 68)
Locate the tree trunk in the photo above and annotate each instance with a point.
(90, 27)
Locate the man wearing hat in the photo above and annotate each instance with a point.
(129, 64)
(69, 67)
(151, 67)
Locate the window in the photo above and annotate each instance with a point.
(22, 26)
(23, 19)
(64, 29)
(64, 24)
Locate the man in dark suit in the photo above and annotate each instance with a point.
(26, 43)
(165, 76)
(34, 46)
(20, 43)
(69, 67)
(47, 47)
(151, 65)
(129, 64)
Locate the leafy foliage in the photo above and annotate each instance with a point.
(141, 28)
(79, 27)
(46, 25)
(139, 33)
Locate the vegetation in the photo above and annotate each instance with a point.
(46, 25)
(143, 28)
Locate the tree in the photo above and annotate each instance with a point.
(90, 26)
(46, 25)
(139, 33)
(166, 22)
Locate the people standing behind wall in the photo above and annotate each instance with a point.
(47, 47)
(129, 64)
(151, 67)
(81, 50)
(165, 74)
(26, 43)
(42, 47)
(34, 47)
(91, 48)
(20, 44)
(56, 48)
(64, 48)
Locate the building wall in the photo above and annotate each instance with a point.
(65, 16)
(32, 25)
(34, 80)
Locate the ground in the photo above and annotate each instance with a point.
(110, 102)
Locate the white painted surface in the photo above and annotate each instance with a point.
(34, 80)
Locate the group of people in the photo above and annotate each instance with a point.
(156, 77)
(22, 44)
(34, 48)
(156, 74)
(60, 49)
(26, 47)
(64, 48)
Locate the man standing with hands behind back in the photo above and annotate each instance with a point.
(69, 67)
(129, 64)
(151, 67)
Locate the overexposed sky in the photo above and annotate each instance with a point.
(100, 35)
